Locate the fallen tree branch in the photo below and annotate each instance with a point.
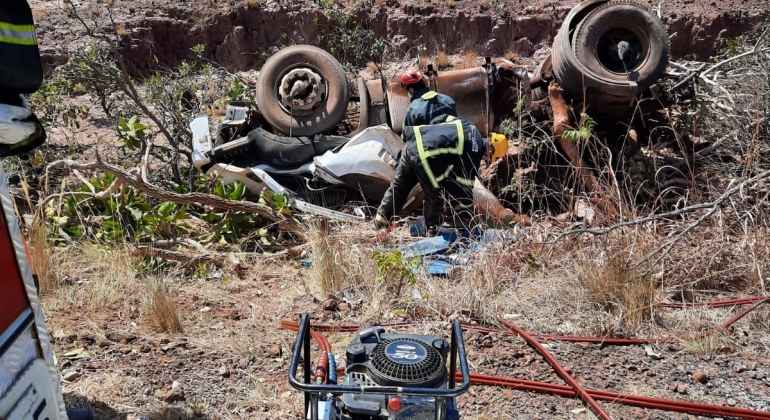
(194, 198)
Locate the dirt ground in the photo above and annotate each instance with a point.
(230, 361)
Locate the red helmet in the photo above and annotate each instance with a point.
(411, 77)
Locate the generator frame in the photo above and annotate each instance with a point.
(313, 392)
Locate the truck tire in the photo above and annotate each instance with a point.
(600, 34)
(602, 93)
(319, 107)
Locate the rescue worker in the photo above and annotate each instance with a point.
(444, 158)
(425, 104)
(21, 72)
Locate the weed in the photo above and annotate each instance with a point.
(161, 307)
(393, 269)
(616, 284)
(327, 258)
(442, 60)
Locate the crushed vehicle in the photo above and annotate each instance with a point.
(308, 134)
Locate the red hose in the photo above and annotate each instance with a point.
(587, 398)
(384, 233)
(718, 304)
(633, 400)
(323, 343)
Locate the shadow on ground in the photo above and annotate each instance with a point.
(103, 411)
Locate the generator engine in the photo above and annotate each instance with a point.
(392, 376)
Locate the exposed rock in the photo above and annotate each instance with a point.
(701, 377)
(275, 351)
(330, 305)
(71, 375)
(174, 395)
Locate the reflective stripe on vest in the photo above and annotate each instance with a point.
(425, 154)
(17, 34)
(429, 95)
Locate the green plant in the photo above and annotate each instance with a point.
(585, 130)
(132, 132)
(395, 270)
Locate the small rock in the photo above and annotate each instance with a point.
(681, 388)
(342, 307)
(224, 371)
(92, 366)
(243, 363)
(125, 350)
(330, 305)
(71, 376)
(731, 402)
(487, 342)
(596, 353)
(673, 386)
(205, 309)
(701, 377)
(740, 368)
(176, 385)
(104, 343)
(760, 375)
(174, 395)
(274, 351)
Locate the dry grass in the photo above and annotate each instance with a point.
(468, 59)
(40, 253)
(250, 4)
(328, 271)
(511, 56)
(441, 60)
(161, 307)
(614, 282)
(94, 276)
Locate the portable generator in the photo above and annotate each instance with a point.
(386, 376)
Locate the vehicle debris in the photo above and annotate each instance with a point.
(301, 139)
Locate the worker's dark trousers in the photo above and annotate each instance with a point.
(409, 175)
(449, 191)
(396, 195)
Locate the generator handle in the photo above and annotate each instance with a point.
(302, 347)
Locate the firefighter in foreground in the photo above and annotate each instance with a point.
(443, 157)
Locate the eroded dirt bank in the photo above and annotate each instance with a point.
(241, 34)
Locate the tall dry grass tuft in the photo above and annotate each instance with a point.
(442, 60)
(328, 254)
(40, 254)
(161, 307)
(468, 59)
(620, 286)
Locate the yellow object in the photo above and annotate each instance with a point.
(500, 144)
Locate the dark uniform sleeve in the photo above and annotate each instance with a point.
(21, 70)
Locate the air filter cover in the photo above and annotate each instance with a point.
(406, 362)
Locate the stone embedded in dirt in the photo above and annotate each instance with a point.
(673, 386)
(330, 305)
(681, 388)
(71, 375)
(740, 368)
(176, 385)
(174, 395)
(224, 371)
(85, 337)
(342, 307)
(179, 343)
(93, 366)
(486, 342)
(731, 402)
(275, 351)
(243, 363)
(306, 304)
(701, 377)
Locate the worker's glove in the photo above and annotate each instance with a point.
(380, 221)
(20, 129)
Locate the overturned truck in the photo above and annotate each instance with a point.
(310, 135)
